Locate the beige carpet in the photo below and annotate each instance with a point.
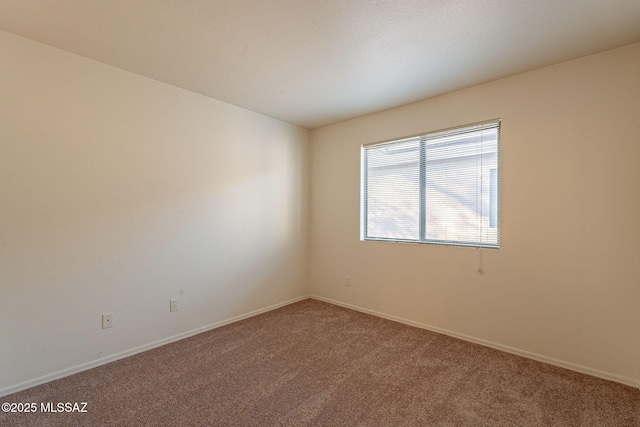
(315, 364)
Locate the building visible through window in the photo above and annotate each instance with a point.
(441, 188)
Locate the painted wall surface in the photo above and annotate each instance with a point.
(119, 193)
(564, 286)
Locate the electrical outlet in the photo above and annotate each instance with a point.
(347, 281)
(107, 320)
(173, 305)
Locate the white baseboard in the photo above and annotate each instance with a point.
(529, 355)
(104, 360)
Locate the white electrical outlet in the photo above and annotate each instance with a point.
(107, 320)
(347, 281)
(173, 305)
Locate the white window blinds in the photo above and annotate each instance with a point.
(435, 188)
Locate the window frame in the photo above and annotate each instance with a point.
(494, 214)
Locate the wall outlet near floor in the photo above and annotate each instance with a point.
(173, 305)
(107, 320)
(347, 281)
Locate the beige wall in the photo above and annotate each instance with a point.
(119, 193)
(565, 285)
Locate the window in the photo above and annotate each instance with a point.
(440, 187)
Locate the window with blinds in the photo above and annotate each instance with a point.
(440, 187)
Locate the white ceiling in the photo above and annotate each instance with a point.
(316, 62)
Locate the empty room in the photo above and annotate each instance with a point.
(305, 212)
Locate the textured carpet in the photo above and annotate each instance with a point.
(316, 364)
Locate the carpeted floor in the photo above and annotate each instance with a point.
(316, 364)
